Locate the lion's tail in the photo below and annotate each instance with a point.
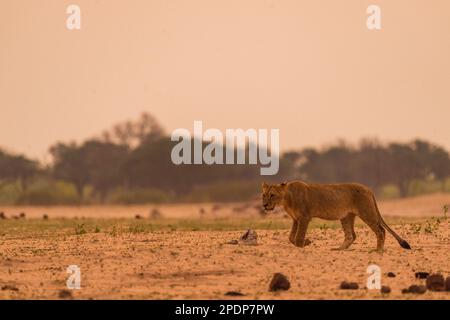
(403, 243)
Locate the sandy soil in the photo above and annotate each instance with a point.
(421, 206)
(200, 265)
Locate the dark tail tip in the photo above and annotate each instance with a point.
(404, 244)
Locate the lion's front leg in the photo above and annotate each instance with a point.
(300, 235)
(293, 232)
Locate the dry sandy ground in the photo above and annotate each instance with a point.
(200, 265)
(421, 206)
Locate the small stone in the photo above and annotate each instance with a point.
(249, 237)
(435, 282)
(232, 242)
(391, 275)
(9, 287)
(138, 216)
(417, 289)
(2, 215)
(22, 215)
(234, 294)
(279, 282)
(422, 275)
(45, 217)
(65, 294)
(385, 289)
(349, 285)
(447, 284)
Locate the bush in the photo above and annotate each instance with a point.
(139, 196)
(389, 191)
(418, 187)
(447, 185)
(49, 193)
(9, 193)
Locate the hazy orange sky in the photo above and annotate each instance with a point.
(310, 68)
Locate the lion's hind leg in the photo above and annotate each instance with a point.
(373, 221)
(348, 225)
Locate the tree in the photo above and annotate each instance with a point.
(17, 167)
(134, 133)
(103, 162)
(69, 163)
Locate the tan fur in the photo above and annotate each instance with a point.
(343, 201)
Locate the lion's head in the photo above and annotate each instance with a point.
(272, 195)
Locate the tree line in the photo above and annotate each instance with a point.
(133, 159)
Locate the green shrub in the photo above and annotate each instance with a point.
(389, 191)
(49, 193)
(446, 187)
(9, 193)
(418, 187)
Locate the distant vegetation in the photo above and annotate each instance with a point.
(130, 164)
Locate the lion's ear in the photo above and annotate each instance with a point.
(264, 186)
(283, 184)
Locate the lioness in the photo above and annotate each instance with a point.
(342, 201)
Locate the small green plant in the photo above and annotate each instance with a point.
(416, 227)
(97, 229)
(432, 225)
(136, 229)
(79, 229)
(113, 231)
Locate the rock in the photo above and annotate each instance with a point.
(234, 294)
(422, 275)
(435, 282)
(391, 275)
(65, 294)
(447, 284)
(45, 217)
(349, 285)
(138, 216)
(279, 282)
(9, 287)
(249, 237)
(385, 289)
(416, 289)
(2, 215)
(22, 215)
(232, 242)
